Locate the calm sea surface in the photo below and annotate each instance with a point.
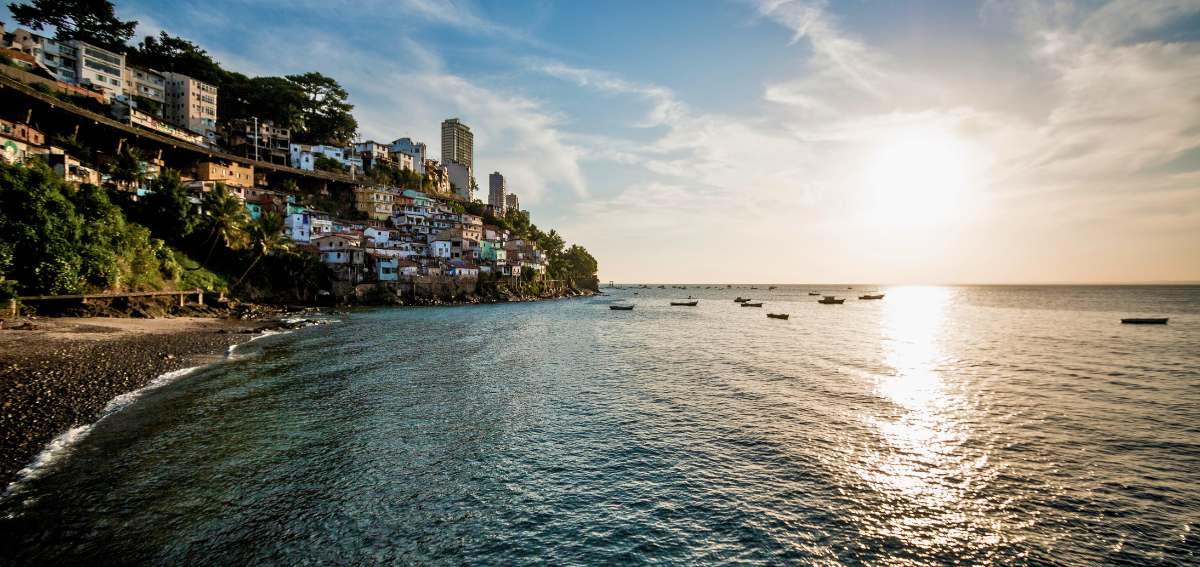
(1005, 425)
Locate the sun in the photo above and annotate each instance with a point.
(917, 177)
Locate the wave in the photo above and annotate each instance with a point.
(63, 445)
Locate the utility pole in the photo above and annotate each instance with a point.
(255, 138)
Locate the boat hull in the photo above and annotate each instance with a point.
(1145, 321)
(621, 307)
(783, 316)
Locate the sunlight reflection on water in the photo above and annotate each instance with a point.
(922, 464)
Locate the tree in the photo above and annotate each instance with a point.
(579, 265)
(167, 211)
(326, 163)
(266, 237)
(226, 219)
(177, 55)
(327, 118)
(267, 98)
(93, 21)
(126, 168)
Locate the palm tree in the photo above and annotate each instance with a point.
(226, 219)
(266, 237)
(126, 168)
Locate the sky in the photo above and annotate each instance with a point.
(784, 141)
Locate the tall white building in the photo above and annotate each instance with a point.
(190, 103)
(100, 69)
(146, 83)
(60, 59)
(460, 179)
(496, 192)
(416, 150)
(74, 62)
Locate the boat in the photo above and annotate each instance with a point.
(621, 307)
(783, 316)
(1145, 321)
(752, 287)
(748, 304)
(684, 303)
(831, 300)
(741, 299)
(813, 293)
(869, 296)
(771, 288)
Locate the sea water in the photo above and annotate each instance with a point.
(1003, 425)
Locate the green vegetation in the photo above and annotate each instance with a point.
(315, 107)
(326, 163)
(387, 174)
(92, 21)
(60, 240)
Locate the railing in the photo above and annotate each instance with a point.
(84, 298)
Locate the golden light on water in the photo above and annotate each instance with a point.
(921, 462)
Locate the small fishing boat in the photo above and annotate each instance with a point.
(814, 293)
(869, 296)
(783, 316)
(621, 307)
(684, 303)
(741, 299)
(1145, 321)
(748, 304)
(831, 300)
(771, 288)
(752, 287)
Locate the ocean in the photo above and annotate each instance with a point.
(1005, 425)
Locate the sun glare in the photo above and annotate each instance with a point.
(917, 177)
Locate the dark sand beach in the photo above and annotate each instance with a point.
(59, 373)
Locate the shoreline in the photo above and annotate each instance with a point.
(60, 374)
(63, 373)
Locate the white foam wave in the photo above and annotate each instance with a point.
(65, 443)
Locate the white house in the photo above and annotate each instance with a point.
(386, 268)
(439, 249)
(299, 227)
(380, 237)
(304, 156)
(415, 150)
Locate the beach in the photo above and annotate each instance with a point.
(60, 373)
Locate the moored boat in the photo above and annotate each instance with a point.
(783, 316)
(771, 288)
(814, 293)
(741, 299)
(869, 296)
(831, 300)
(685, 303)
(1145, 321)
(748, 304)
(621, 307)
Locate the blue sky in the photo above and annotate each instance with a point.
(785, 140)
